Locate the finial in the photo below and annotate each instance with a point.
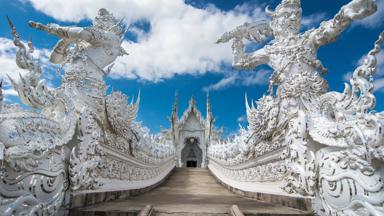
(10, 22)
(176, 99)
(208, 103)
(175, 104)
(208, 112)
(192, 101)
(16, 36)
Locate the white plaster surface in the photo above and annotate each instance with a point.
(255, 187)
(118, 185)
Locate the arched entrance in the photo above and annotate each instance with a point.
(191, 155)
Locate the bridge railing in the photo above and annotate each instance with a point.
(238, 161)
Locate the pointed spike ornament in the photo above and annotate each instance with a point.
(269, 12)
(13, 82)
(176, 104)
(208, 105)
(246, 103)
(16, 36)
(138, 100)
(192, 102)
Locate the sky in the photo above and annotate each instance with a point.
(171, 45)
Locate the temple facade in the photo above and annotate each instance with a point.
(192, 134)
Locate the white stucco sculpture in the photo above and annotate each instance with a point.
(74, 132)
(330, 144)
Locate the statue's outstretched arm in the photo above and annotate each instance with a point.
(242, 60)
(69, 33)
(331, 29)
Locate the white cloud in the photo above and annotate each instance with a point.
(10, 92)
(222, 84)
(379, 85)
(375, 20)
(260, 77)
(247, 78)
(181, 38)
(347, 76)
(313, 20)
(242, 119)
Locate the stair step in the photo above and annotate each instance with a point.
(235, 211)
(189, 214)
(191, 192)
(147, 211)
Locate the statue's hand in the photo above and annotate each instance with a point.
(50, 28)
(359, 9)
(38, 26)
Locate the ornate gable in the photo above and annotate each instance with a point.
(192, 118)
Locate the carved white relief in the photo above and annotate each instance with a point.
(331, 143)
(76, 131)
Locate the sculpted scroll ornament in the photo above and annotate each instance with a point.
(300, 160)
(354, 159)
(33, 174)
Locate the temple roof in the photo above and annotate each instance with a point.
(192, 110)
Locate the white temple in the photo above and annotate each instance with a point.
(306, 150)
(191, 134)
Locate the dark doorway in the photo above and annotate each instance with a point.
(191, 163)
(191, 154)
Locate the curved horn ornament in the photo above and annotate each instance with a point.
(269, 12)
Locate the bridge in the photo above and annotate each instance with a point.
(81, 151)
(188, 191)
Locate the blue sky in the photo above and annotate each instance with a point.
(171, 46)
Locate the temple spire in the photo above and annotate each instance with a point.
(208, 121)
(192, 102)
(208, 112)
(175, 106)
(175, 118)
